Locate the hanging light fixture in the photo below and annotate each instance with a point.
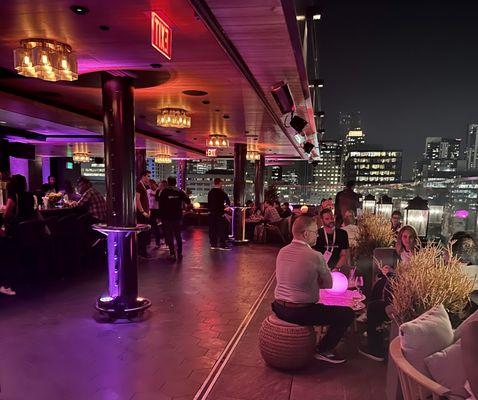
(46, 59)
(80, 153)
(217, 140)
(252, 153)
(163, 155)
(173, 118)
(368, 204)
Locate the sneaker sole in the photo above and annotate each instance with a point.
(371, 356)
(329, 360)
(224, 249)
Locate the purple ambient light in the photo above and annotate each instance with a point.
(461, 214)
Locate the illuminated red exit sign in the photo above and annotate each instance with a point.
(161, 36)
(211, 152)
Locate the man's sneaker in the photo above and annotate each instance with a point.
(329, 357)
(8, 291)
(224, 248)
(373, 356)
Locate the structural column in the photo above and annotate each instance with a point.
(259, 181)
(4, 156)
(239, 210)
(182, 174)
(120, 228)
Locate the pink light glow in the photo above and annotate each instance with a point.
(340, 283)
(461, 214)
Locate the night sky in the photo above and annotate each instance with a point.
(410, 67)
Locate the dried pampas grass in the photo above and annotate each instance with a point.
(430, 278)
(374, 231)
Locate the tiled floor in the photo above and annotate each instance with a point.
(53, 346)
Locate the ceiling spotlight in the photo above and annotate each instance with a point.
(298, 123)
(79, 10)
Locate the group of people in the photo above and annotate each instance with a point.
(321, 245)
(160, 206)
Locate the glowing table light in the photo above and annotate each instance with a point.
(340, 283)
(304, 209)
(461, 214)
(196, 205)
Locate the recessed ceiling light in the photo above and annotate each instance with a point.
(178, 131)
(104, 27)
(206, 102)
(156, 65)
(217, 110)
(79, 10)
(226, 116)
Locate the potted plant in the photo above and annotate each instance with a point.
(431, 277)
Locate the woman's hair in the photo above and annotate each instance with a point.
(399, 248)
(17, 184)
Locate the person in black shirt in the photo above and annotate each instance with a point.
(171, 202)
(216, 199)
(285, 210)
(50, 186)
(332, 242)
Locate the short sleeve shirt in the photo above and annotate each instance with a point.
(143, 196)
(341, 243)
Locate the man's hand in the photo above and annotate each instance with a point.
(385, 269)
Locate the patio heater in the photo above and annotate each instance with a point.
(120, 229)
(417, 215)
(385, 207)
(436, 214)
(368, 204)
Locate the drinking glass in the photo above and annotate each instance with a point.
(359, 283)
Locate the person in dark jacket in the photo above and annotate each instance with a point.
(171, 202)
(217, 199)
(345, 200)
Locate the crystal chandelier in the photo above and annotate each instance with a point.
(163, 155)
(46, 59)
(252, 153)
(173, 118)
(80, 153)
(217, 140)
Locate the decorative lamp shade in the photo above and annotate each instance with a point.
(340, 283)
(368, 204)
(173, 118)
(416, 215)
(304, 209)
(385, 207)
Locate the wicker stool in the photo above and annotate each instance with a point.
(284, 345)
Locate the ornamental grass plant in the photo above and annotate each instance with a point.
(431, 277)
(374, 231)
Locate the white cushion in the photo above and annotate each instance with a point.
(446, 368)
(459, 331)
(425, 335)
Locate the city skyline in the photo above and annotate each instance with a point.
(408, 67)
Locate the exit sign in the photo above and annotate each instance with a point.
(211, 152)
(161, 36)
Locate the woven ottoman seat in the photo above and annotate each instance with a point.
(284, 345)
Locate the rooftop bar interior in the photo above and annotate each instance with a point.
(93, 95)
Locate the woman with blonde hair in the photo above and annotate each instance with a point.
(407, 243)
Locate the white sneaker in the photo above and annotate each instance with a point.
(8, 291)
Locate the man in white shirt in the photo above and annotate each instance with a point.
(300, 272)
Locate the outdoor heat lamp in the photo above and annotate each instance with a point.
(416, 215)
(283, 97)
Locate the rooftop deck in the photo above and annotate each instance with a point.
(54, 345)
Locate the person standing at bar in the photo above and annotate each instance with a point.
(50, 186)
(142, 211)
(171, 202)
(217, 199)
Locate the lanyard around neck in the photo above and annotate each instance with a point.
(327, 238)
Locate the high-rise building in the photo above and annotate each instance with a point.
(350, 121)
(354, 138)
(438, 148)
(370, 165)
(471, 151)
(327, 175)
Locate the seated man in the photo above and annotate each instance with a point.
(300, 272)
(271, 215)
(90, 198)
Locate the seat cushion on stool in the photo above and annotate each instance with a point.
(284, 345)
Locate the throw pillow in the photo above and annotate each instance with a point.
(425, 335)
(469, 346)
(464, 324)
(446, 368)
